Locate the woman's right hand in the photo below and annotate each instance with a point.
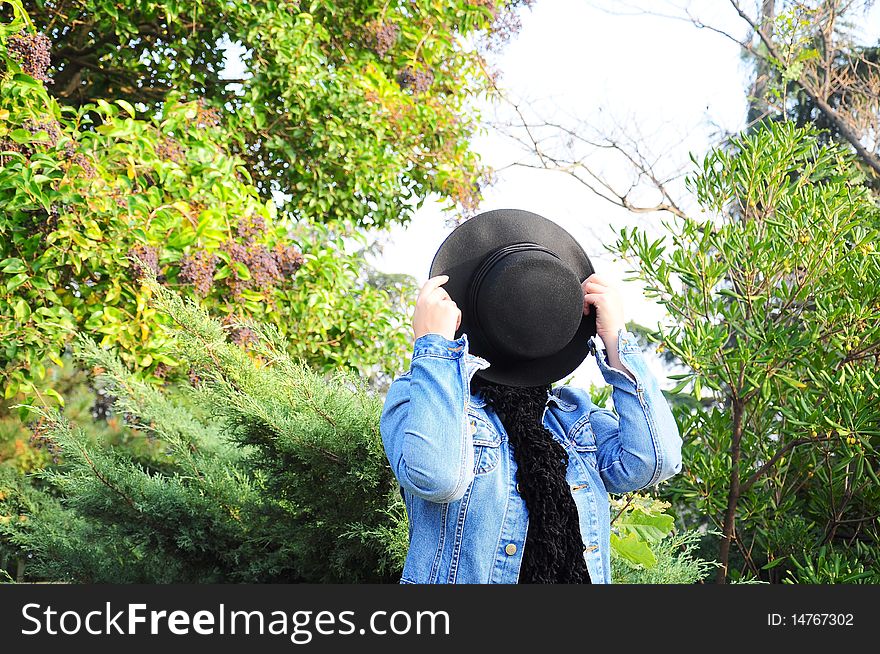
(435, 310)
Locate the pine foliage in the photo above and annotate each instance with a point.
(276, 474)
(678, 562)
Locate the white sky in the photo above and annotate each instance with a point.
(663, 78)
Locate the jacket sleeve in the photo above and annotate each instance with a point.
(641, 445)
(424, 423)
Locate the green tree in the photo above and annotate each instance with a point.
(89, 191)
(355, 109)
(165, 194)
(773, 297)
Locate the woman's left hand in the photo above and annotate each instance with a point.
(605, 300)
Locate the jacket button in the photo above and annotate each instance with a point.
(510, 549)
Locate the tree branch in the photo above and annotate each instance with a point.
(869, 158)
(773, 459)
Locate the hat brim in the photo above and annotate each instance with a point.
(469, 244)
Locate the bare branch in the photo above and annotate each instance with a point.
(528, 135)
(869, 158)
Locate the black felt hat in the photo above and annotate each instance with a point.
(516, 277)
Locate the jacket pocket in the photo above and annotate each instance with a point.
(582, 437)
(487, 445)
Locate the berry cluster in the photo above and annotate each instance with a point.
(119, 197)
(195, 379)
(506, 21)
(32, 52)
(506, 25)
(103, 406)
(169, 150)
(51, 127)
(81, 160)
(238, 253)
(198, 269)
(53, 131)
(206, 116)
(8, 145)
(41, 441)
(250, 227)
(416, 79)
(243, 336)
(263, 267)
(289, 259)
(161, 370)
(147, 254)
(381, 36)
(266, 267)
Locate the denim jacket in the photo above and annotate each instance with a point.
(467, 521)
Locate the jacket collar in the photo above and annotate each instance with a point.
(475, 363)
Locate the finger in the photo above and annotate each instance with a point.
(596, 279)
(439, 295)
(432, 284)
(593, 287)
(594, 299)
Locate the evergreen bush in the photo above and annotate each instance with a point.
(280, 476)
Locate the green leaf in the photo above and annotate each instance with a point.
(633, 550)
(12, 265)
(650, 528)
(774, 563)
(93, 230)
(21, 136)
(127, 106)
(16, 281)
(53, 393)
(22, 310)
(241, 269)
(11, 389)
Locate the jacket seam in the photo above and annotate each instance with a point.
(463, 436)
(501, 531)
(580, 422)
(459, 531)
(652, 430)
(435, 568)
(436, 355)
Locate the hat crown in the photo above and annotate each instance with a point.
(516, 277)
(527, 303)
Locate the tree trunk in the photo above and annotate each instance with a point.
(729, 527)
(763, 69)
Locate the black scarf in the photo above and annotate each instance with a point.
(554, 549)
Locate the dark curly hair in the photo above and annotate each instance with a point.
(554, 548)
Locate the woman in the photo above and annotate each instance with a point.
(506, 479)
